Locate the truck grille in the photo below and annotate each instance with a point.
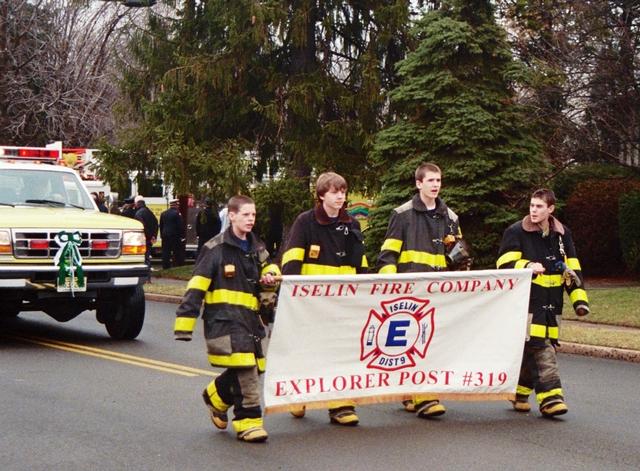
(28, 243)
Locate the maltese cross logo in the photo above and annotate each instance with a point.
(392, 337)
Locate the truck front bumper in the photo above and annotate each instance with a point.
(43, 277)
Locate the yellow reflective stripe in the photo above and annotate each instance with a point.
(184, 324)
(364, 262)
(538, 330)
(314, 269)
(246, 424)
(573, 263)
(523, 390)
(547, 281)
(394, 245)
(543, 395)
(235, 359)
(578, 294)
(238, 298)
(425, 258)
(271, 268)
(291, 255)
(508, 257)
(388, 269)
(215, 398)
(522, 263)
(262, 364)
(199, 282)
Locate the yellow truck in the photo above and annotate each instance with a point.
(59, 254)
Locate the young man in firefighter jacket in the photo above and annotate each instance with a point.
(543, 244)
(326, 240)
(227, 276)
(417, 238)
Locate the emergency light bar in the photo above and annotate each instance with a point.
(30, 153)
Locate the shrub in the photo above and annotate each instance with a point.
(591, 213)
(629, 224)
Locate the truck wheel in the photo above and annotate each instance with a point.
(10, 309)
(125, 322)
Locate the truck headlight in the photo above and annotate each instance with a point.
(133, 243)
(5, 242)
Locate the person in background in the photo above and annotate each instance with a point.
(543, 244)
(172, 235)
(229, 274)
(128, 208)
(208, 223)
(150, 223)
(326, 240)
(99, 202)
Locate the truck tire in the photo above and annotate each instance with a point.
(10, 309)
(126, 319)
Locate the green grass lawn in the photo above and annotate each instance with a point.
(615, 306)
(178, 273)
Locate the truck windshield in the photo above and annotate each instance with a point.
(42, 187)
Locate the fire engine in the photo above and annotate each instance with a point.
(58, 253)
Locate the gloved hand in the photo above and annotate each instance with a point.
(582, 310)
(569, 276)
(184, 336)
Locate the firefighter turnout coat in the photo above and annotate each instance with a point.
(524, 242)
(226, 278)
(415, 239)
(319, 245)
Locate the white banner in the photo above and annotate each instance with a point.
(381, 338)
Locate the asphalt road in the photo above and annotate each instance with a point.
(72, 399)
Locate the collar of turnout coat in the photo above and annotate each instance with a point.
(419, 205)
(230, 239)
(529, 226)
(321, 215)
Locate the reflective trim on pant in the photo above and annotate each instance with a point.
(215, 398)
(542, 396)
(338, 404)
(523, 391)
(423, 398)
(245, 424)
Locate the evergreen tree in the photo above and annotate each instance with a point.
(455, 107)
(298, 83)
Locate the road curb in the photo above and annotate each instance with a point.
(566, 347)
(162, 298)
(600, 352)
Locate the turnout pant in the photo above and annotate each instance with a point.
(238, 387)
(539, 373)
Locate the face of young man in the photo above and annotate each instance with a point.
(539, 211)
(333, 200)
(429, 186)
(242, 221)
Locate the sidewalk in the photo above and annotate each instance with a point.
(565, 347)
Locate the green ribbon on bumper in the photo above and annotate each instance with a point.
(68, 258)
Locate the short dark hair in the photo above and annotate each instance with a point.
(236, 202)
(426, 167)
(328, 180)
(546, 195)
